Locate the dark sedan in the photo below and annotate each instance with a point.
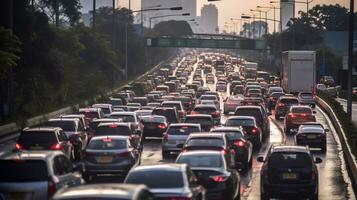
(154, 125)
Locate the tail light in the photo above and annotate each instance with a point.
(292, 115)
(18, 146)
(215, 114)
(255, 130)
(51, 187)
(56, 146)
(219, 178)
(124, 154)
(194, 112)
(239, 143)
(161, 126)
(165, 137)
(280, 105)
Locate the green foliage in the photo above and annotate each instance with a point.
(173, 27)
(9, 50)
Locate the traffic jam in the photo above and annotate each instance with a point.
(204, 126)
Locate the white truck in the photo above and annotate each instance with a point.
(250, 70)
(299, 71)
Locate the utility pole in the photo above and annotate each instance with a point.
(350, 59)
(93, 15)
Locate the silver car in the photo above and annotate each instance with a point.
(35, 175)
(306, 98)
(175, 137)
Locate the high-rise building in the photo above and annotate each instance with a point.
(287, 11)
(87, 5)
(209, 19)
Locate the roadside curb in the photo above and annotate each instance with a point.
(347, 152)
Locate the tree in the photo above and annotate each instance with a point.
(173, 27)
(329, 17)
(9, 50)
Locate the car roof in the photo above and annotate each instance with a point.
(29, 155)
(207, 135)
(41, 129)
(72, 116)
(183, 124)
(105, 120)
(249, 107)
(202, 152)
(64, 119)
(178, 102)
(100, 190)
(299, 106)
(123, 113)
(110, 136)
(198, 115)
(311, 129)
(227, 128)
(205, 106)
(101, 105)
(163, 167)
(165, 108)
(114, 123)
(288, 148)
(241, 117)
(89, 109)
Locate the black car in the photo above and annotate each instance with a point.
(168, 181)
(313, 135)
(242, 146)
(110, 155)
(289, 171)
(171, 114)
(208, 110)
(45, 138)
(252, 130)
(154, 125)
(213, 171)
(105, 192)
(283, 105)
(205, 121)
(260, 115)
(273, 98)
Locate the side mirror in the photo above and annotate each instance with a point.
(260, 159)
(314, 112)
(269, 113)
(327, 130)
(318, 160)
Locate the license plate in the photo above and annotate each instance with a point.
(150, 126)
(289, 176)
(17, 196)
(311, 136)
(104, 159)
(36, 148)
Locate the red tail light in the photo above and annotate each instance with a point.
(292, 115)
(194, 112)
(219, 178)
(18, 146)
(239, 143)
(165, 137)
(255, 130)
(215, 114)
(161, 126)
(56, 146)
(51, 187)
(280, 105)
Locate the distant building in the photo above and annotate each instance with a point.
(209, 19)
(287, 11)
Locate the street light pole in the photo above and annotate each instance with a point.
(93, 17)
(350, 59)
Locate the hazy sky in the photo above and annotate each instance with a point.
(228, 9)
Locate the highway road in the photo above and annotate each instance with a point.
(334, 182)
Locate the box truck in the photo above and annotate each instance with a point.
(250, 70)
(299, 71)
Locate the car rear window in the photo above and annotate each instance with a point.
(107, 130)
(249, 112)
(277, 95)
(182, 130)
(23, 171)
(205, 142)
(301, 110)
(65, 125)
(289, 101)
(106, 110)
(90, 114)
(289, 160)
(107, 144)
(232, 135)
(153, 119)
(168, 179)
(306, 95)
(124, 118)
(210, 161)
(172, 105)
(38, 137)
(168, 113)
(199, 120)
(240, 122)
(207, 109)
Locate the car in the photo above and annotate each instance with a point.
(91, 113)
(254, 92)
(175, 136)
(74, 130)
(272, 99)
(176, 104)
(117, 101)
(313, 135)
(260, 115)
(210, 102)
(45, 138)
(283, 105)
(154, 125)
(106, 108)
(36, 174)
(154, 104)
(306, 98)
(171, 114)
(120, 129)
(81, 118)
(129, 117)
(233, 84)
(289, 171)
(186, 101)
(231, 102)
(143, 101)
(328, 81)
(176, 181)
(133, 106)
(110, 155)
(94, 124)
(212, 97)
(238, 89)
(221, 86)
(209, 110)
(205, 121)
(105, 191)
(274, 89)
(298, 115)
(239, 142)
(250, 127)
(201, 91)
(214, 172)
(141, 113)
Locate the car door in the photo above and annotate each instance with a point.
(63, 170)
(83, 134)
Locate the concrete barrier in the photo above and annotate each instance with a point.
(8, 128)
(347, 151)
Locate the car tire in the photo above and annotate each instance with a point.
(165, 155)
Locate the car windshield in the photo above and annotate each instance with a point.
(182, 130)
(23, 170)
(41, 137)
(232, 135)
(205, 142)
(201, 160)
(107, 144)
(289, 160)
(124, 118)
(167, 179)
(240, 122)
(65, 125)
(113, 130)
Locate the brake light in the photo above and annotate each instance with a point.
(51, 187)
(107, 139)
(254, 130)
(215, 114)
(56, 146)
(194, 112)
(303, 115)
(280, 104)
(219, 178)
(239, 143)
(113, 126)
(165, 137)
(292, 115)
(161, 126)
(18, 146)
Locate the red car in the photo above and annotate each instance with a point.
(298, 115)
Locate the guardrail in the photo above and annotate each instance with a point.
(346, 148)
(8, 129)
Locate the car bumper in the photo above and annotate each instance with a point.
(153, 132)
(221, 191)
(171, 148)
(312, 143)
(289, 190)
(108, 168)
